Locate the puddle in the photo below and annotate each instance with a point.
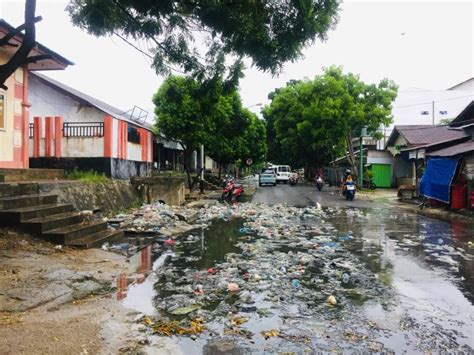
(402, 282)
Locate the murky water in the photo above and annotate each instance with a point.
(403, 283)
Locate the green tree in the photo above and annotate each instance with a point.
(270, 32)
(313, 121)
(225, 140)
(195, 113)
(253, 140)
(182, 114)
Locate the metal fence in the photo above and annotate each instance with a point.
(79, 129)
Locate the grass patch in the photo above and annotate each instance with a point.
(87, 176)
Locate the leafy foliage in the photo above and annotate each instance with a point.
(86, 176)
(312, 121)
(270, 32)
(195, 113)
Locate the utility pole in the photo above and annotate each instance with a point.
(361, 163)
(201, 183)
(432, 112)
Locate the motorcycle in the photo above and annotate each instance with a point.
(232, 191)
(319, 183)
(369, 183)
(349, 191)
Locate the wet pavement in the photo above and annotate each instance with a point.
(303, 195)
(345, 277)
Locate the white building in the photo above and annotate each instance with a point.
(70, 129)
(428, 107)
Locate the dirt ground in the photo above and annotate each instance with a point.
(59, 300)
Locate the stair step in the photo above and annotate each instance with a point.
(15, 189)
(7, 203)
(75, 231)
(43, 224)
(17, 215)
(97, 239)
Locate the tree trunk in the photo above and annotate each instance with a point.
(351, 157)
(27, 44)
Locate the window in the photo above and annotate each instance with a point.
(2, 110)
(133, 135)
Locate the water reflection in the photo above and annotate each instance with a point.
(409, 276)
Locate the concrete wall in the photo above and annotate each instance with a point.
(109, 197)
(379, 157)
(169, 189)
(134, 151)
(76, 147)
(400, 141)
(46, 101)
(13, 139)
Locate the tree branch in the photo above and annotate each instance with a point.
(27, 44)
(4, 40)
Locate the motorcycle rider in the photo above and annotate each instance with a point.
(344, 180)
(348, 182)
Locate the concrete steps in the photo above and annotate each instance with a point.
(58, 223)
(8, 175)
(97, 239)
(55, 221)
(19, 215)
(67, 234)
(7, 203)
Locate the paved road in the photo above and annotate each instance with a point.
(305, 195)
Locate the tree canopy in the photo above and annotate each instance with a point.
(310, 122)
(196, 113)
(270, 32)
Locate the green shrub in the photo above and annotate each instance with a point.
(87, 176)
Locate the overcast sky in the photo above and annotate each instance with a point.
(425, 44)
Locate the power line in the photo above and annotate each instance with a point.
(435, 101)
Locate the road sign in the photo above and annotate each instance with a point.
(249, 161)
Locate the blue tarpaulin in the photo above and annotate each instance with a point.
(437, 179)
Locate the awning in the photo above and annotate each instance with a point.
(437, 179)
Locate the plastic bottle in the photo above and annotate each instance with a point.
(345, 278)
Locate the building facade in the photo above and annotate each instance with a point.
(15, 105)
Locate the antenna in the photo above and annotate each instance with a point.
(136, 114)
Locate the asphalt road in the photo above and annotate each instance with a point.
(305, 195)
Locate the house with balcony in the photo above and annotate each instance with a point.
(15, 105)
(69, 129)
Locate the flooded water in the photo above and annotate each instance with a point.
(402, 283)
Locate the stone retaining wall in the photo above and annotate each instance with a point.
(108, 197)
(171, 190)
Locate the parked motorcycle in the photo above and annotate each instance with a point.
(369, 183)
(319, 183)
(232, 191)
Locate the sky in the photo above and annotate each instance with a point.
(418, 44)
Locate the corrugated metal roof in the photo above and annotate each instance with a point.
(102, 106)
(462, 148)
(465, 117)
(417, 135)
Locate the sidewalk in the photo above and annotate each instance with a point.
(390, 196)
